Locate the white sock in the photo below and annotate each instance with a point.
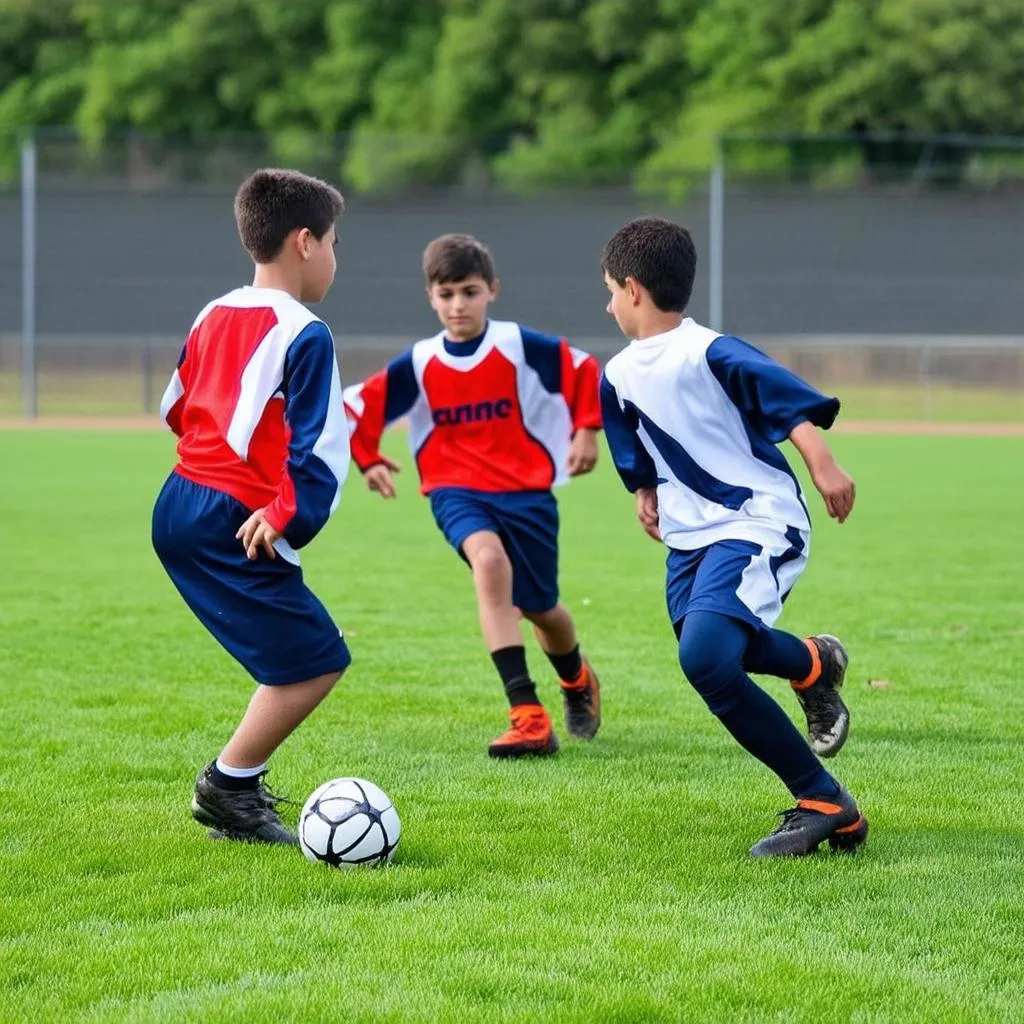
(239, 773)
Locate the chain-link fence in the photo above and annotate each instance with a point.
(898, 284)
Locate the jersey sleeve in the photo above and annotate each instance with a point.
(318, 445)
(174, 397)
(635, 465)
(381, 399)
(771, 397)
(568, 371)
(581, 377)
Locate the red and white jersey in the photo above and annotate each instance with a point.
(496, 414)
(256, 402)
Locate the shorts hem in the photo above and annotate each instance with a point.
(302, 674)
(740, 614)
(529, 607)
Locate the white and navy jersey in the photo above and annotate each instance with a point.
(698, 415)
(256, 402)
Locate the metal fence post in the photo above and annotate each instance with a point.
(147, 378)
(716, 240)
(29, 383)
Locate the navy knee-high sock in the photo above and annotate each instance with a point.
(711, 650)
(772, 652)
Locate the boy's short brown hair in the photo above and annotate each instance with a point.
(657, 253)
(453, 258)
(272, 203)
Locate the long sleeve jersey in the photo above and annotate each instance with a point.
(496, 415)
(256, 404)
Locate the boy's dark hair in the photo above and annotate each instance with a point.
(660, 255)
(272, 203)
(453, 258)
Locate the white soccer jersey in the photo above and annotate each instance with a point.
(698, 415)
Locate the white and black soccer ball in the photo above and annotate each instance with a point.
(348, 822)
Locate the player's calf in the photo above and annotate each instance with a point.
(246, 815)
(828, 718)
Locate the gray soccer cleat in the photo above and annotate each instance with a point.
(828, 719)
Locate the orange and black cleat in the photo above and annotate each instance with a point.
(582, 700)
(530, 734)
(805, 827)
(828, 719)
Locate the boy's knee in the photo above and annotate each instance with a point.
(553, 618)
(715, 673)
(698, 659)
(490, 562)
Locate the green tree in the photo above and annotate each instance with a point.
(528, 92)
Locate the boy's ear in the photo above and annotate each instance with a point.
(303, 243)
(495, 289)
(635, 289)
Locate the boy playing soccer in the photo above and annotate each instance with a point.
(693, 419)
(263, 451)
(497, 414)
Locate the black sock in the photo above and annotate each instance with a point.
(568, 666)
(232, 782)
(511, 665)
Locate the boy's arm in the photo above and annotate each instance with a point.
(371, 406)
(581, 377)
(780, 404)
(174, 397)
(635, 466)
(835, 486)
(772, 398)
(318, 448)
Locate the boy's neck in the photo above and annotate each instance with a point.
(278, 277)
(477, 334)
(657, 322)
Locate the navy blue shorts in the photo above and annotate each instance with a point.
(261, 612)
(526, 522)
(745, 581)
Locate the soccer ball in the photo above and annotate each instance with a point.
(348, 822)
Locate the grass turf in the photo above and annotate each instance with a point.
(87, 392)
(610, 883)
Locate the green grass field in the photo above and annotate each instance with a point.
(85, 392)
(608, 884)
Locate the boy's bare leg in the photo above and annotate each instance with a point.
(531, 732)
(492, 578)
(554, 629)
(272, 716)
(229, 796)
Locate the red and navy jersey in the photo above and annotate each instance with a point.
(256, 402)
(493, 415)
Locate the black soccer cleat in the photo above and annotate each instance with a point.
(245, 815)
(582, 702)
(805, 827)
(828, 719)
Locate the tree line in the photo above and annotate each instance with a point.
(527, 92)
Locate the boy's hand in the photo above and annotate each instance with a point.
(257, 534)
(378, 478)
(836, 487)
(647, 511)
(583, 452)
